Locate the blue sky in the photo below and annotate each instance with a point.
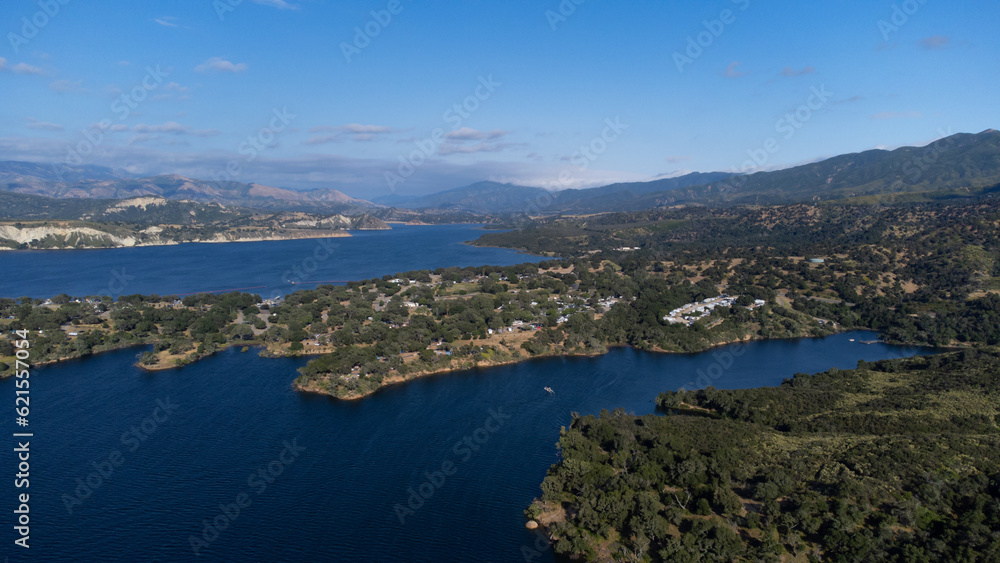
(442, 94)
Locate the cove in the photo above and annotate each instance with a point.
(237, 460)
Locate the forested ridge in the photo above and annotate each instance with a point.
(895, 461)
(898, 460)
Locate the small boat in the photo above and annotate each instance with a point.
(549, 389)
(852, 340)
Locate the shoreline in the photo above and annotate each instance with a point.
(314, 389)
(335, 234)
(397, 379)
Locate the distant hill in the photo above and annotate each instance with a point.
(481, 197)
(156, 210)
(496, 198)
(34, 173)
(960, 165)
(90, 182)
(628, 196)
(30, 221)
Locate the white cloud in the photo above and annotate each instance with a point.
(280, 4)
(360, 177)
(676, 159)
(370, 129)
(65, 86)
(43, 125)
(323, 139)
(789, 71)
(218, 64)
(169, 127)
(935, 42)
(143, 138)
(25, 68)
(469, 134)
(172, 91)
(448, 148)
(731, 71)
(850, 100)
(356, 132)
(166, 21)
(175, 87)
(174, 128)
(3, 63)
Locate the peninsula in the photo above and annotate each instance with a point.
(918, 275)
(44, 224)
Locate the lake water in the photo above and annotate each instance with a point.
(266, 268)
(183, 448)
(235, 414)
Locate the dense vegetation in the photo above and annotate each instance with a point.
(892, 462)
(898, 460)
(918, 274)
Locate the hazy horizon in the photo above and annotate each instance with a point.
(391, 97)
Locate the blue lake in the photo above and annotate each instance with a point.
(130, 466)
(233, 415)
(266, 268)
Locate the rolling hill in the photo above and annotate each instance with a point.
(959, 166)
(496, 198)
(94, 182)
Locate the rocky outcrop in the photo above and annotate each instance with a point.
(136, 202)
(363, 222)
(92, 237)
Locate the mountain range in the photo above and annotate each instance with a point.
(961, 165)
(493, 197)
(87, 182)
